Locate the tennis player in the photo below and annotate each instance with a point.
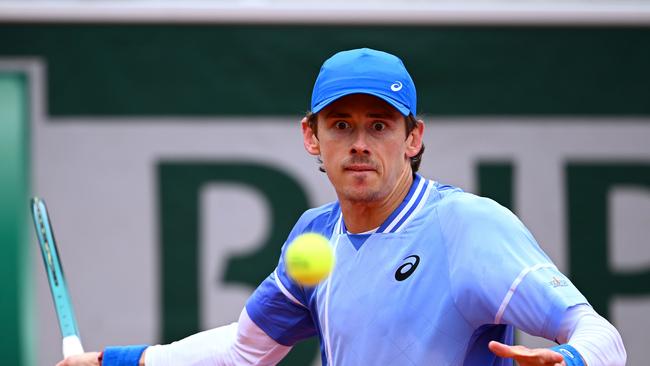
(425, 273)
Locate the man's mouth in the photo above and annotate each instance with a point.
(359, 168)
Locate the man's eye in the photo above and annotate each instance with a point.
(341, 125)
(378, 126)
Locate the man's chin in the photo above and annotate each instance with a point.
(359, 186)
(360, 194)
(360, 180)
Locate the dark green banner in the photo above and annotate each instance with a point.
(200, 70)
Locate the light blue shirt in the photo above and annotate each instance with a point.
(445, 274)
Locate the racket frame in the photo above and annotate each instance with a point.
(71, 343)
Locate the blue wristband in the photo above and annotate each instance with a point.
(123, 356)
(570, 354)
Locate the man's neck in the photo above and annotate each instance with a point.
(360, 217)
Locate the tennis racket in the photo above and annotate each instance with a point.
(58, 286)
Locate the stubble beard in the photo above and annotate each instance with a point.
(361, 193)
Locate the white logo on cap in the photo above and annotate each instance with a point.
(397, 86)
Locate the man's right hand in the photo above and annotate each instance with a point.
(84, 359)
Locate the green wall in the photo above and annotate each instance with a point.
(260, 70)
(15, 299)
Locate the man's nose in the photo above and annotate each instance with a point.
(360, 143)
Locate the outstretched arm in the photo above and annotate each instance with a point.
(241, 343)
(595, 340)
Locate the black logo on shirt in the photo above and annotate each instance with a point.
(407, 269)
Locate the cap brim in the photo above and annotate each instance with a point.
(404, 110)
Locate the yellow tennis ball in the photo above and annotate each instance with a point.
(309, 259)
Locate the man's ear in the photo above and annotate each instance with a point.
(414, 140)
(309, 138)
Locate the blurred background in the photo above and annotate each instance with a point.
(165, 138)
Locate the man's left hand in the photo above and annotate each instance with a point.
(526, 356)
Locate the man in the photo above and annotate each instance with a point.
(425, 274)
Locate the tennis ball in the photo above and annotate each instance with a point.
(309, 259)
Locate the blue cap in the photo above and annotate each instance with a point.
(365, 71)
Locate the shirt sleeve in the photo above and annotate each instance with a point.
(498, 272)
(275, 308)
(596, 339)
(280, 306)
(237, 344)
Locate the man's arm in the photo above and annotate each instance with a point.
(595, 340)
(525, 289)
(241, 343)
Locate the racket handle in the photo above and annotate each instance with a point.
(72, 346)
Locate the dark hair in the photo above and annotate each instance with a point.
(411, 123)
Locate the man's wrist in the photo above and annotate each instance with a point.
(123, 356)
(571, 356)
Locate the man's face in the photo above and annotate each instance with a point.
(362, 142)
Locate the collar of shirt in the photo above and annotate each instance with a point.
(417, 193)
